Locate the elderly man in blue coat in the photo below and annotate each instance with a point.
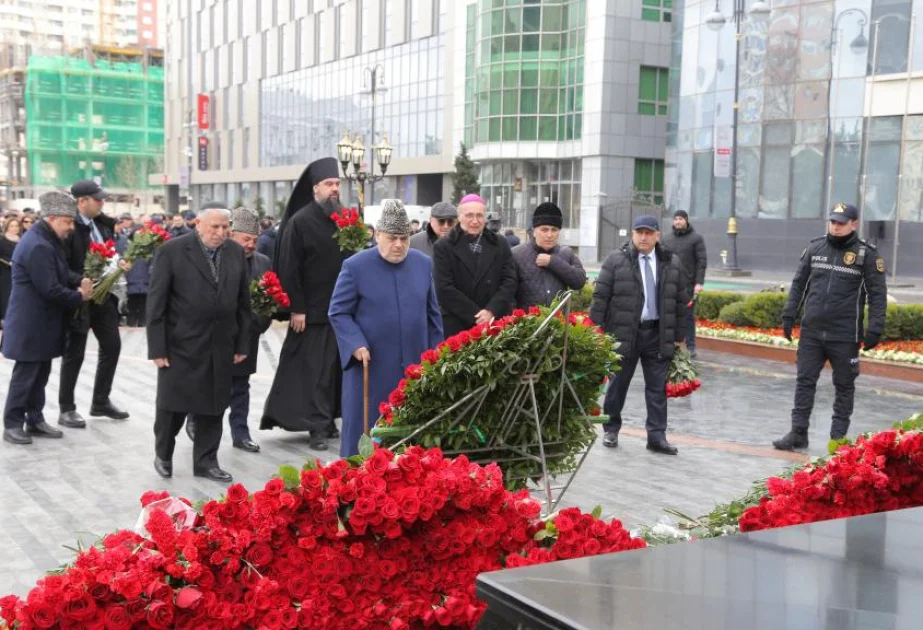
(36, 320)
(385, 314)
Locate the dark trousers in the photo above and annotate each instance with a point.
(167, 424)
(137, 305)
(844, 359)
(690, 329)
(240, 408)
(646, 349)
(25, 398)
(104, 322)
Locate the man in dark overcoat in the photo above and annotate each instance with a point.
(640, 298)
(35, 328)
(473, 270)
(198, 328)
(245, 229)
(91, 226)
(308, 259)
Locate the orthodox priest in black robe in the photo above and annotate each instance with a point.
(305, 390)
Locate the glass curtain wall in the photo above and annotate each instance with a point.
(515, 188)
(803, 143)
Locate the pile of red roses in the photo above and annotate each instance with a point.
(393, 542)
(878, 473)
(267, 296)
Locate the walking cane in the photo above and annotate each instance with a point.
(365, 397)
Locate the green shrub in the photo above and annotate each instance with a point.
(764, 310)
(710, 303)
(904, 322)
(733, 314)
(581, 300)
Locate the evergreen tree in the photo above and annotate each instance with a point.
(466, 177)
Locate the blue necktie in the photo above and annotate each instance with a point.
(650, 289)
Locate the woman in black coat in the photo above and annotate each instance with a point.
(12, 230)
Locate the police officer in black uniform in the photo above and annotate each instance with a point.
(837, 273)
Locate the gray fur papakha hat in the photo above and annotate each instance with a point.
(57, 204)
(393, 218)
(245, 220)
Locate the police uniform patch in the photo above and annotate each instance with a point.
(849, 258)
(880, 265)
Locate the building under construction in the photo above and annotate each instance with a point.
(95, 113)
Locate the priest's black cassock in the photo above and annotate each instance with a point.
(306, 389)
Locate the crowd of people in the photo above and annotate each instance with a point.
(373, 312)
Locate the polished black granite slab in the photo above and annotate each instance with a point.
(862, 573)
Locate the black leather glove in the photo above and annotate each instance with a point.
(871, 340)
(787, 324)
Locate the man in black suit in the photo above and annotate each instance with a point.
(91, 226)
(198, 328)
(245, 230)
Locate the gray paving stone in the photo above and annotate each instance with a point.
(66, 492)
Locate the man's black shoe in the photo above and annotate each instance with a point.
(215, 474)
(190, 428)
(611, 439)
(43, 429)
(660, 445)
(318, 443)
(109, 411)
(247, 445)
(72, 420)
(333, 434)
(792, 440)
(164, 467)
(16, 436)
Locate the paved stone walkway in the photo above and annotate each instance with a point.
(57, 492)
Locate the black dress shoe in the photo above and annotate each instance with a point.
(215, 474)
(333, 434)
(72, 420)
(164, 467)
(43, 429)
(16, 436)
(247, 445)
(611, 439)
(109, 411)
(660, 445)
(190, 428)
(318, 444)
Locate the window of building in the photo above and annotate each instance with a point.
(657, 10)
(649, 179)
(653, 91)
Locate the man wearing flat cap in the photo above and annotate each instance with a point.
(35, 328)
(245, 229)
(91, 226)
(640, 298)
(545, 268)
(385, 314)
(305, 390)
(442, 218)
(838, 273)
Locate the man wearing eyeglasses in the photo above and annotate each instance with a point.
(442, 218)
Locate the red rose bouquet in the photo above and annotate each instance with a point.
(140, 247)
(267, 296)
(98, 260)
(682, 377)
(350, 234)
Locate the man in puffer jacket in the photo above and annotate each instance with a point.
(640, 298)
(545, 268)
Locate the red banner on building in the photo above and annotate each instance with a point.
(204, 112)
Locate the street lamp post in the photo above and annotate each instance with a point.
(374, 80)
(716, 21)
(353, 152)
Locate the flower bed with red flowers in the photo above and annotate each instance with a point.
(877, 473)
(394, 542)
(497, 354)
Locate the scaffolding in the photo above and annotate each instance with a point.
(96, 116)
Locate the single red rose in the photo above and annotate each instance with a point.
(117, 618)
(160, 615)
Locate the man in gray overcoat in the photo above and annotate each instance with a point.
(198, 328)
